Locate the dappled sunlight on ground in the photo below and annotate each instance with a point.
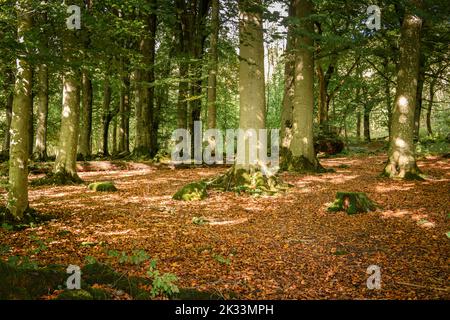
(287, 246)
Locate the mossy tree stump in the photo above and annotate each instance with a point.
(105, 186)
(194, 191)
(352, 202)
(240, 180)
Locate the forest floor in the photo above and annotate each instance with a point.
(281, 247)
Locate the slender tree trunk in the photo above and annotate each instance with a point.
(358, 125)
(85, 141)
(106, 117)
(40, 152)
(302, 146)
(31, 123)
(430, 106)
(286, 110)
(183, 91)
(124, 110)
(322, 114)
(22, 104)
(114, 136)
(418, 109)
(366, 122)
(402, 162)
(212, 78)
(387, 93)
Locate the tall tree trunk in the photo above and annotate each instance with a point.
(66, 156)
(387, 93)
(22, 104)
(40, 152)
(30, 123)
(286, 108)
(418, 109)
(430, 106)
(402, 162)
(106, 117)
(212, 78)
(124, 111)
(322, 103)
(302, 146)
(144, 109)
(366, 122)
(183, 91)
(358, 125)
(85, 140)
(251, 73)
(114, 136)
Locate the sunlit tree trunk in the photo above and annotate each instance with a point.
(66, 156)
(40, 150)
(22, 104)
(302, 146)
(212, 78)
(402, 162)
(251, 72)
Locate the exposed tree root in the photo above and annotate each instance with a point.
(59, 179)
(394, 171)
(291, 163)
(29, 217)
(253, 181)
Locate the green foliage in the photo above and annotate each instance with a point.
(222, 260)
(199, 221)
(163, 284)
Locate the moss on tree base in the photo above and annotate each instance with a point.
(106, 186)
(291, 163)
(30, 217)
(58, 179)
(352, 202)
(251, 181)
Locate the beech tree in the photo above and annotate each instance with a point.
(18, 165)
(402, 162)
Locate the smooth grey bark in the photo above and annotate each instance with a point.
(212, 78)
(402, 162)
(85, 139)
(40, 149)
(22, 104)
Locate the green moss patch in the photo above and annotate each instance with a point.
(106, 186)
(194, 191)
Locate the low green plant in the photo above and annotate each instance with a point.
(163, 284)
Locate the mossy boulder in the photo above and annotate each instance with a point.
(194, 191)
(105, 186)
(352, 203)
